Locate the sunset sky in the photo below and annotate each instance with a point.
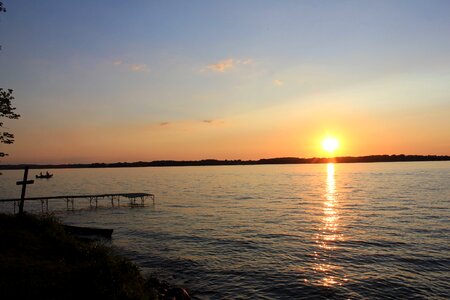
(105, 81)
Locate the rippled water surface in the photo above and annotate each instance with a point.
(275, 232)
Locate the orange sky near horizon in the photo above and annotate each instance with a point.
(281, 135)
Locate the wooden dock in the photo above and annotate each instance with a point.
(134, 200)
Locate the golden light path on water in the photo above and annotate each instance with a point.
(329, 273)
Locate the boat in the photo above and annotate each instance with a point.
(89, 231)
(44, 176)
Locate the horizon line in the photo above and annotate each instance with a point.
(212, 161)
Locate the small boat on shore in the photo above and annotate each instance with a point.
(89, 231)
(44, 176)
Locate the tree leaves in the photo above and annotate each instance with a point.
(6, 111)
(6, 108)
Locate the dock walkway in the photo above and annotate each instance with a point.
(135, 199)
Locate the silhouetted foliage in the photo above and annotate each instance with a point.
(264, 161)
(6, 108)
(6, 111)
(39, 259)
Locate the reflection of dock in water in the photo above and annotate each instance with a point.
(133, 200)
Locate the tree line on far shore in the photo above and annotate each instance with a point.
(216, 162)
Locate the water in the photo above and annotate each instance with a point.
(276, 232)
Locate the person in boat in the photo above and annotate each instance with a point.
(47, 174)
(40, 174)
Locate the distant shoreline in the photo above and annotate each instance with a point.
(216, 162)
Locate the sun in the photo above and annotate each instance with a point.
(330, 144)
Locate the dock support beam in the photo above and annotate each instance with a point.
(46, 205)
(23, 183)
(67, 203)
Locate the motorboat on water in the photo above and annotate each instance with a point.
(44, 176)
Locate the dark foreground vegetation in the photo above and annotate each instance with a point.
(40, 260)
(263, 161)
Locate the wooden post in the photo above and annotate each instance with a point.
(23, 183)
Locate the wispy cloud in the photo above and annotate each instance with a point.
(132, 67)
(247, 61)
(278, 82)
(215, 122)
(222, 66)
(191, 123)
(227, 64)
(139, 68)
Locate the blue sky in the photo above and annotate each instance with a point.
(123, 73)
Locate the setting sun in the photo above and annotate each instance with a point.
(330, 144)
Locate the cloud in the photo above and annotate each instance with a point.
(190, 123)
(278, 82)
(213, 122)
(222, 66)
(227, 64)
(132, 67)
(139, 68)
(247, 61)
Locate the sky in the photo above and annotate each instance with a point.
(109, 81)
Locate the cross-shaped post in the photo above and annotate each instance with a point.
(23, 183)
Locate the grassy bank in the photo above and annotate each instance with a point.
(40, 260)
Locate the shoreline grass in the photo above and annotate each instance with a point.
(40, 260)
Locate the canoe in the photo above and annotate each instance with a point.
(89, 231)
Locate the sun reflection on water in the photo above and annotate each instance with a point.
(329, 233)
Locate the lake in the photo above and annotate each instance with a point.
(322, 231)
